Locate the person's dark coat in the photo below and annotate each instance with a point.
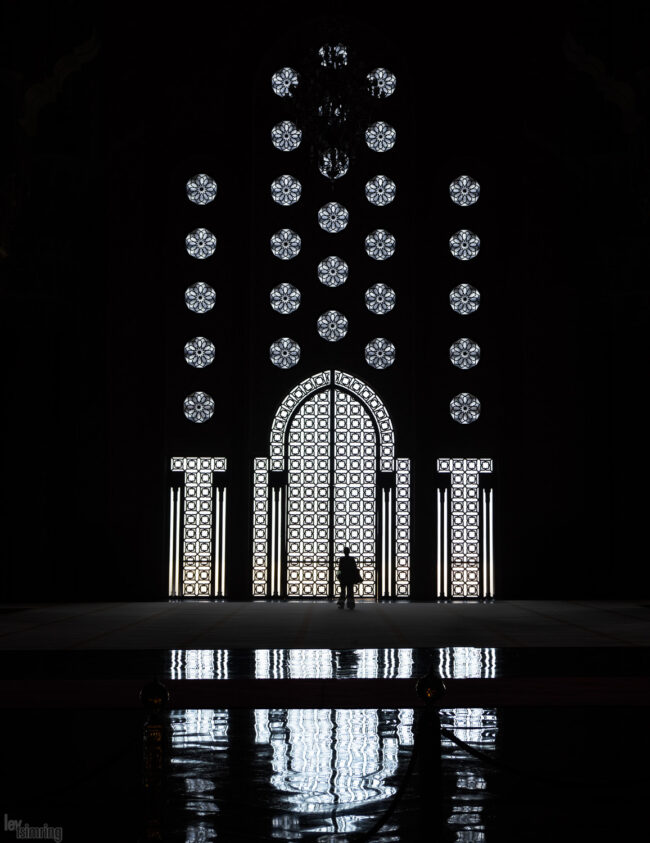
(349, 572)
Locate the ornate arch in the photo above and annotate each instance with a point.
(364, 393)
(286, 410)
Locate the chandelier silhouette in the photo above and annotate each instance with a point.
(333, 102)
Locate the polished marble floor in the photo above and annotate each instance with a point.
(297, 624)
(297, 721)
(328, 775)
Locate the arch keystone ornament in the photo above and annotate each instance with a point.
(331, 480)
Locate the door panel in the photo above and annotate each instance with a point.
(308, 499)
(355, 481)
(323, 495)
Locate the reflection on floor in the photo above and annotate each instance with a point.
(497, 662)
(331, 769)
(322, 774)
(319, 663)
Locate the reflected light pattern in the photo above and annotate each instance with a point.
(198, 664)
(385, 663)
(293, 664)
(467, 663)
(326, 757)
(199, 740)
(477, 727)
(333, 757)
(198, 726)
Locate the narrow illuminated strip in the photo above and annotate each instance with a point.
(484, 518)
(491, 506)
(217, 533)
(383, 543)
(177, 542)
(171, 542)
(273, 543)
(438, 548)
(278, 554)
(386, 544)
(274, 539)
(445, 543)
(276, 549)
(390, 542)
(223, 543)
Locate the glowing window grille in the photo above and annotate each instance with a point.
(376, 406)
(279, 426)
(332, 325)
(260, 526)
(402, 527)
(308, 502)
(355, 458)
(380, 137)
(296, 537)
(382, 82)
(197, 550)
(465, 544)
(286, 136)
(362, 391)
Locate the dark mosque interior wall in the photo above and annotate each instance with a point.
(109, 115)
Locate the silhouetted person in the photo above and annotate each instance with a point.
(348, 575)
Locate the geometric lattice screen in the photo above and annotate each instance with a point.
(320, 492)
(465, 530)
(197, 560)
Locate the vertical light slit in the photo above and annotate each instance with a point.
(384, 517)
(484, 520)
(272, 542)
(278, 553)
(276, 528)
(217, 516)
(445, 545)
(438, 548)
(171, 542)
(491, 506)
(390, 543)
(223, 541)
(177, 542)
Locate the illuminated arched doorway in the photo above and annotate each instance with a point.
(331, 480)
